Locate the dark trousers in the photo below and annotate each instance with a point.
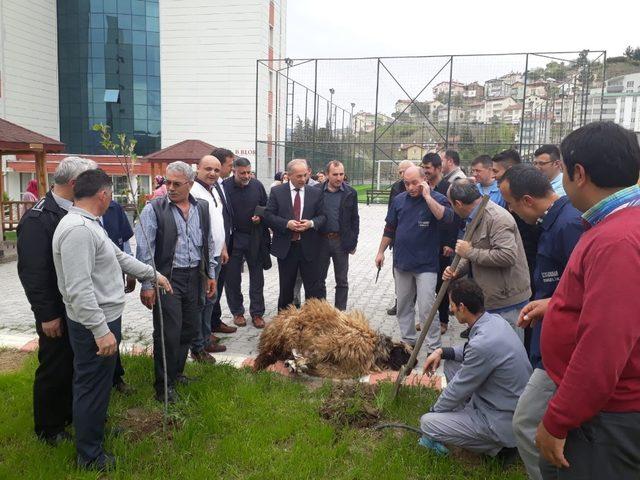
(52, 386)
(118, 373)
(181, 314)
(443, 310)
(92, 382)
(333, 251)
(216, 313)
(605, 447)
(233, 282)
(288, 269)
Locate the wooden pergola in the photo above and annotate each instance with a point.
(15, 140)
(189, 151)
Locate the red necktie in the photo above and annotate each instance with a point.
(296, 213)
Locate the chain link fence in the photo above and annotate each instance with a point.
(372, 113)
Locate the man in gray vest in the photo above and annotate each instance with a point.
(178, 229)
(485, 377)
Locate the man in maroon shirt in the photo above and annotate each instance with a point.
(591, 334)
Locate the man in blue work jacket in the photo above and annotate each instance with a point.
(530, 195)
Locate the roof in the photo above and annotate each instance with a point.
(190, 151)
(14, 138)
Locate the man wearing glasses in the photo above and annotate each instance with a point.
(547, 160)
(178, 228)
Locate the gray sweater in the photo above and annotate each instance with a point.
(89, 268)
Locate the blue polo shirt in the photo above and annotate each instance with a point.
(494, 193)
(117, 225)
(561, 229)
(415, 232)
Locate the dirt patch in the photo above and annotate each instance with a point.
(11, 360)
(351, 404)
(140, 423)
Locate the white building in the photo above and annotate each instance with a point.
(28, 74)
(208, 55)
(620, 101)
(29, 65)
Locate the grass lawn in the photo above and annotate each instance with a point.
(235, 425)
(362, 193)
(13, 236)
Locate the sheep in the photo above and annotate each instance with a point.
(323, 341)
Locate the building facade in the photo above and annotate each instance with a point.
(109, 71)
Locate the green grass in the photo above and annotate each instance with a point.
(362, 193)
(235, 425)
(10, 236)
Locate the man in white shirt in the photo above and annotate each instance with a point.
(207, 174)
(547, 160)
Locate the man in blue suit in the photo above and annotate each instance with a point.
(294, 212)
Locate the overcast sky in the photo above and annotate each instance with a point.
(362, 28)
(322, 28)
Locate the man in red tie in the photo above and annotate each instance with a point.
(294, 212)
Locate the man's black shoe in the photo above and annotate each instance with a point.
(171, 396)
(103, 463)
(57, 439)
(507, 457)
(184, 380)
(393, 310)
(465, 333)
(124, 388)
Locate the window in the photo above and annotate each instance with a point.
(111, 96)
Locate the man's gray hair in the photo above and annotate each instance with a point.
(70, 167)
(182, 168)
(463, 190)
(297, 161)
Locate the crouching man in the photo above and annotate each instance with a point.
(485, 377)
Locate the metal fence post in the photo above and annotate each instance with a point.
(446, 135)
(524, 99)
(315, 109)
(375, 127)
(604, 79)
(256, 117)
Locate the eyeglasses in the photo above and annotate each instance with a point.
(168, 183)
(540, 164)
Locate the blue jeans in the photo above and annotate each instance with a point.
(92, 382)
(204, 333)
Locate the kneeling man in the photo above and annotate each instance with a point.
(485, 377)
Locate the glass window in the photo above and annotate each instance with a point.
(124, 6)
(140, 111)
(154, 112)
(139, 38)
(110, 6)
(126, 67)
(100, 111)
(153, 83)
(124, 21)
(138, 22)
(140, 68)
(153, 38)
(153, 98)
(111, 96)
(120, 188)
(124, 36)
(154, 127)
(140, 124)
(153, 25)
(152, 9)
(139, 82)
(97, 35)
(153, 53)
(153, 68)
(97, 20)
(97, 65)
(137, 7)
(139, 53)
(140, 97)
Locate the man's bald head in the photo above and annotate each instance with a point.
(413, 179)
(208, 169)
(402, 167)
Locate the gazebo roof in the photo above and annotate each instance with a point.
(17, 139)
(190, 151)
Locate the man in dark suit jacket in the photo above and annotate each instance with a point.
(294, 213)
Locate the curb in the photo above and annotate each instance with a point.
(26, 343)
